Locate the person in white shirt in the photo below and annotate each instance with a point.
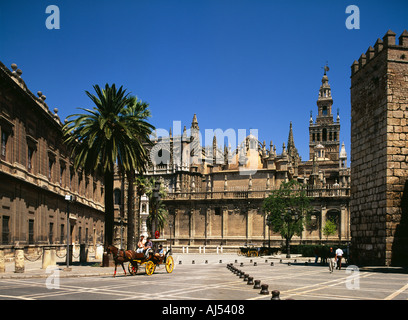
(339, 255)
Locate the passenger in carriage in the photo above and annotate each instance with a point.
(141, 245)
(148, 246)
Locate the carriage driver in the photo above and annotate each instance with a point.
(159, 252)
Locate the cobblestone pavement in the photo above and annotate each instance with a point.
(201, 277)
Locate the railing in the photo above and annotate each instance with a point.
(255, 193)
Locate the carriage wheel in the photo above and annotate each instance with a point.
(169, 264)
(150, 266)
(132, 269)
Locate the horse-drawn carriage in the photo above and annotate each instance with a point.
(150, 259)
(249, 250)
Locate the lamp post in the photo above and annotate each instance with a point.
(171, 227)
(69, 199)
(156, 199)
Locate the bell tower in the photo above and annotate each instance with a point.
(325, 130)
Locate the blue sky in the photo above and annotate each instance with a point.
(237, 64)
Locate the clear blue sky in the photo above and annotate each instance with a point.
(237, 64)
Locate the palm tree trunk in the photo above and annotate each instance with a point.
(109, 209)
(131, 241)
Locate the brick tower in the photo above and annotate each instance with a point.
(325, 131)
(379, 153)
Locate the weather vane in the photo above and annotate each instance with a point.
(326, 68)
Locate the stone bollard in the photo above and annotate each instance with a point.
(46, 258)
(272, 264)
(246, 277)
(257, 284)
(242, 264)
(220, 261)
(180, 262)
(255, 264)
(275, 295)
(193, 262)
(250, 280)
(264, 289)
(2, 261)
(83, 253)
(98, 252)
(242, 275)
(19, 260)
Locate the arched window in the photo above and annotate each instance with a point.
(324, 110)
(324, 135)
(117, 196)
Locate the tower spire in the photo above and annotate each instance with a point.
(291, 148)
(194, 123)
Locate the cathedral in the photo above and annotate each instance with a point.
(214, 194)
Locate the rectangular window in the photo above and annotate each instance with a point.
(31, 231)
(71, 179)
(51, 233)
(4, 138)
(62, 233)
(217, 211)
(62, 169)
(30, 153)
(50, 166)
(79, 235)
(5, 230)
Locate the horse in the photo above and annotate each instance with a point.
(120, 256)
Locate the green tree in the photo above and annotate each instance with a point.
(329, 228)
(106, 135)
(288, 209)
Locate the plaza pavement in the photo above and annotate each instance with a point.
(206, 276)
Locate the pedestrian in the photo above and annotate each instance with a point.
(339, 255)
(316, 252)
(332, 257)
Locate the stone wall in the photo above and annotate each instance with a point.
(379, 151)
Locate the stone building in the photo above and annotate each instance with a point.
(379, 153)
(36, 173)
(215, 193)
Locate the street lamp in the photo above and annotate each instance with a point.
(171, 227)
(69, 199)
(156, 198)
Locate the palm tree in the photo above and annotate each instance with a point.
(138, 111)
(111, 133)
